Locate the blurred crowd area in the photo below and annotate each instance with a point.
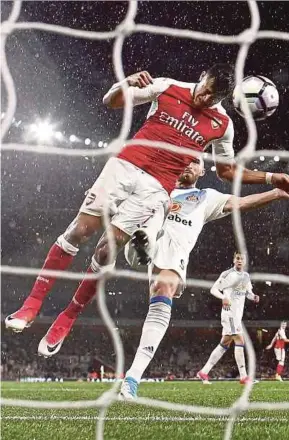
(129, 300)
(181, 354)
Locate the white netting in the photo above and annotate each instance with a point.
(126, 28)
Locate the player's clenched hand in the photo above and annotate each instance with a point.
(140, 79)
(281, 180)
(226, 304)
(256, 298)
(282, 194)
(268, 347)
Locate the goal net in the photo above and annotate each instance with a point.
(128, 26)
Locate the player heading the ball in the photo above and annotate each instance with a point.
(134, 186)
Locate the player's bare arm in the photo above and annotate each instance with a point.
(271, 343)
(254, 201)
(114, 97)
(227, 171)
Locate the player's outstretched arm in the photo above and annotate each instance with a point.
(138, 86)
(255, 201)
(224, 149)
(271, 343)
(227, 171)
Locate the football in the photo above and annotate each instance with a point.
(261, 94)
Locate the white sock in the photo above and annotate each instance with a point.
(214, 358)
(240, 360)
(154, 329)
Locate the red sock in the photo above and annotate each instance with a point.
(83, 295)
(280, 369)
(57, 259)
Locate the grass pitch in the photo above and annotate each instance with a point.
(136, 422)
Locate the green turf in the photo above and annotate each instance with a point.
(135, 422)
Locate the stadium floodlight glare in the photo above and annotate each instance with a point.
(72, 138)
(100, 144)
(276, 158)
(262, 158)
(41, 131)
(87, 141)
(105, 144)
(58, 135)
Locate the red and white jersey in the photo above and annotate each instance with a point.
(172, 119)
(280, 338)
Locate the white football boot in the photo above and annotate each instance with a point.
(128, 390)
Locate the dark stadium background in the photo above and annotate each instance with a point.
(64, 78)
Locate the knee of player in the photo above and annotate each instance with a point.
(78, 233)
(162, 288)
(102, 254)
(226, 341)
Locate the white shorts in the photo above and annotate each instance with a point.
(130, 195)
(280, 354)
(170, 255)
(231, 324)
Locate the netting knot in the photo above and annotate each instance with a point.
(248, 36)
(6, 28)
(240, 406)
(116, 145)
(125, 28)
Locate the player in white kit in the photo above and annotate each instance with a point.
(232, 287)
(191, 208)
(278, 342)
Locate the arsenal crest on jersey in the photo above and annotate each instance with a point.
(216, 123)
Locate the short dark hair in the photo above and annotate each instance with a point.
(223, 75)
(238, 253)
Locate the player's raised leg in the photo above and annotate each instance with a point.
(113, 186)
(214, 358)
(155, 326)
(59, 257)
(101, 263)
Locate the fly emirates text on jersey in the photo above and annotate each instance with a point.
(185, 125)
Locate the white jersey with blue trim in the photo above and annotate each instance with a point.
(191, 209)
(236, 286)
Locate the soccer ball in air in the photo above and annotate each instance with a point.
(261, 95)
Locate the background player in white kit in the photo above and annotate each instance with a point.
(191, 209)
(232, 287)
(278, 342)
